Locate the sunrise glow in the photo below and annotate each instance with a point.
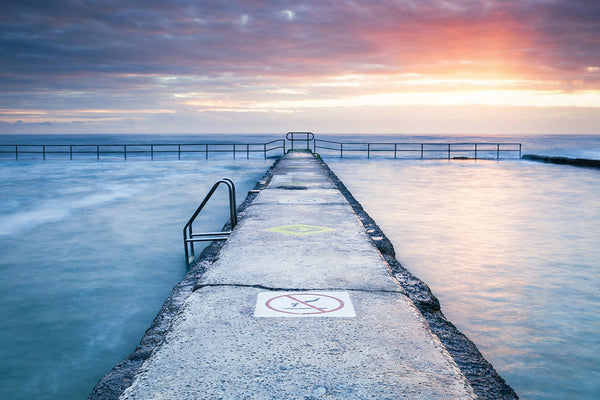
(272, 67)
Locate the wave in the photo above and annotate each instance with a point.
(58, 209)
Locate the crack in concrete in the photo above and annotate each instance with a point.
(291, 289)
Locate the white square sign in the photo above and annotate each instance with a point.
(304, 304)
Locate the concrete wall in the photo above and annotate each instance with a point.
(579, 162)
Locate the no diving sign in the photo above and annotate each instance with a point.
(304, 304)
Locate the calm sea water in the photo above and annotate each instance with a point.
(89, 251)
(512, 250)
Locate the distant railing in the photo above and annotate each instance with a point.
(140, 151)
(249, 150)
(420, 150)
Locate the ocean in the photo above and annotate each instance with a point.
(90, 250)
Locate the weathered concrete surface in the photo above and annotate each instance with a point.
(216, 348)
(578, 162)
(236, 356)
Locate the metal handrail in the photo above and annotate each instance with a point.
(420, 149)
(148, 149)
(306, 136)
(189, 237)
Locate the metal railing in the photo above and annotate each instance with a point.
(420, 150)
(297, 140)
(139, 151)
(189, 237)
(302, 137)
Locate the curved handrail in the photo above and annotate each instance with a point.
(306, 136)
(189, 237)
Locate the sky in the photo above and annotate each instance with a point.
(251, 66)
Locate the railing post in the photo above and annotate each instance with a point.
(234, 151)
(16, 152)
(341, 150)
(498, 151)
(519, 150)
(44, 152)
(476, 151)
(179, 152)
(206, 150)
(421, 151)
(247, 151)
(125, 152)
(368, 150)
(152, 152)
(97, 152)
(185, 244)
(232, 203)
(70, 152)
(448, 151)
(191, 245)
(395, 150)
(265, 149)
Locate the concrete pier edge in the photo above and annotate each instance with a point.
(112, 385)
(486, 382)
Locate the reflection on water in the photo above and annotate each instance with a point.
(88, 253)
(512, 250)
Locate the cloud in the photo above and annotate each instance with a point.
(58, 38)
(69, 55)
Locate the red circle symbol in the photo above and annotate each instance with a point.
(304, 303)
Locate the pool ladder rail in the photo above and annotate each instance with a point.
(189, 237)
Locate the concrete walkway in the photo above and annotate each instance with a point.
(299, 305)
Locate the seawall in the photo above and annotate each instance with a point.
(578, 162)
(297, 234)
